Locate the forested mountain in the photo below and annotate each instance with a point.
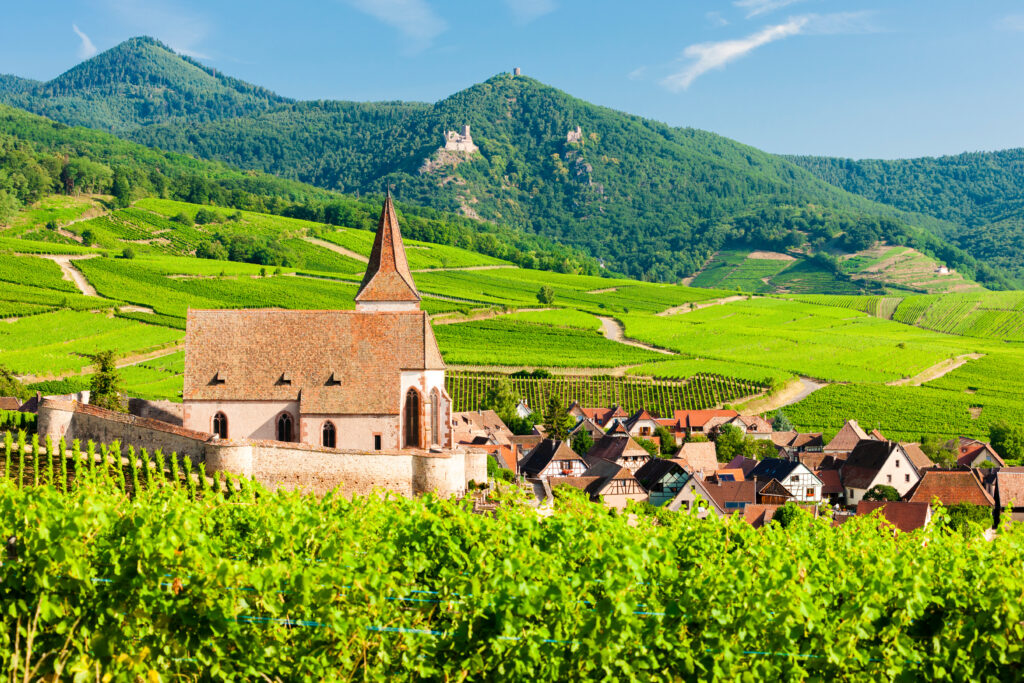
(139, 82)
(39, 157)
(981, 193)
(649, 200)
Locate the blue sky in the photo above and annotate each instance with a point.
(881, 78)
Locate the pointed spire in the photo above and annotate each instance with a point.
(387, 276)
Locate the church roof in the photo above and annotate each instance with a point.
(387, 275)
(334, 362)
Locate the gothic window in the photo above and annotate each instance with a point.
(412, 419)
(435, 417)
(329, 435)
(220, 425)
(284, 427)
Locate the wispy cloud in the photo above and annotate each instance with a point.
(526, 11)
(1012, 22)
(86, 49)
(716, 19)
(704, 57)
(414, 19)
(182, 30)
(756, 7)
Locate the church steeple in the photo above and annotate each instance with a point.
(388, 284)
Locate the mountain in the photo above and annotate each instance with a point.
(647, 199)
(39, 157)
(980, 193)
(139, 82)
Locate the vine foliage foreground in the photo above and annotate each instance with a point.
(165, 582)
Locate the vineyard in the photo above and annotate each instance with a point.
(662, 397)
(130, 571)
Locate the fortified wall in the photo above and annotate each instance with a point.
(272, 463)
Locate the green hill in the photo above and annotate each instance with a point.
(649, 200)
(141, 81)
(980, 193)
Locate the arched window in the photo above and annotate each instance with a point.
(435, 417)
(412, 419)
(220, 425)
(284, 427)
(329, 435)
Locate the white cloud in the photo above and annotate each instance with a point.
(526, 11)
(756, 7)
(707, 56)
(86, 49)
(1012, 22)
(413, 18)
(704, 57)
(716, 19)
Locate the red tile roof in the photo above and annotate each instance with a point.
(847, 438)
(918, 458)
(970, 449)
(387, 275)
(903, 516)
(9, 403)
(949, 487)
(338, 362)
(830, 482)
(699, 456)
(698, 418)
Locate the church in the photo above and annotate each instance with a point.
(371, 379)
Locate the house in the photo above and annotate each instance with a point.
(585, 424)
(877, 463)
(524, 443)
(552, 458)
(752, 425)
(845, 440)
(972, 453)
(793, 444)
(760, 515)
(602, 417)
(950, 487)
(523, 410)
(795, 477)
(662, 478)
(902, 515)
(831, 486)
(726, 474)
(605, 481)
(773, 493)
(483, 429)
(1006, 486)
(722, 499)
(698, 457)
(620, 449)
(641, 423)
(690, 421)
(370, 379)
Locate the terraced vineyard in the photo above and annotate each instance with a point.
(467, 390)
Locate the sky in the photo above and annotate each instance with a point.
(851, 78)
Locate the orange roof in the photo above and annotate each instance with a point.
(698, 418)
(949, 487)
(387, 275)
(336, 362)
(903, 516)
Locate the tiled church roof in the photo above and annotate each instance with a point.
(336, 362)
(387, 275)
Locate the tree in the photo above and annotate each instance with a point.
(882, 492)
(1007, 441)
(500, 399)
(121, 190)
(968, 519)
(940, 449)
(697, 437)
(648, 446)
(789, 514)
(781, 423)
(668, 442)
(88, 237)
(582, 442)
(10, 385)
(105, 386)
(127, 253)
(546, 295)
(729, 442)
(759, 449)
(555, 419)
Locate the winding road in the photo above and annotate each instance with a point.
(614, 331)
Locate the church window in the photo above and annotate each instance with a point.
(284, 427)
(412, 419)
(220, 425)
(329, 435)
(435, 417)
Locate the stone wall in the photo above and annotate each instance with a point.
(73, 420)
